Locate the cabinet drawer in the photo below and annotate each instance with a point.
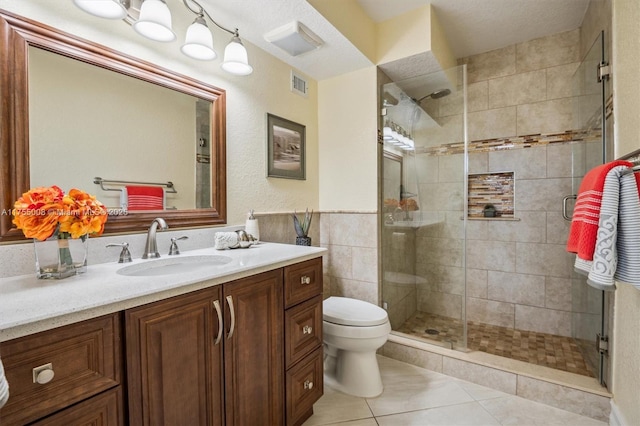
(105, 409)
(303, 330)
(304, 387)
(302, 281)
(85, 359)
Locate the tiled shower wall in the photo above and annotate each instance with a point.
(518, 272)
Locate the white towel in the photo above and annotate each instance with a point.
(4, 387)
(617, 252)
(225, 240)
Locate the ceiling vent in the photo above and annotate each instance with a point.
(294, 38)
(299, 84)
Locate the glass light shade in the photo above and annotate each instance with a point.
(198, 43)
(155, 21)
(235, 58)
(386, 133)
(109, 9)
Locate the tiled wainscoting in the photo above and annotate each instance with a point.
(578, 394)
(351, 265)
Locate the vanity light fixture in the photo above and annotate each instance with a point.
(198, 43)
(154, 23)
(109, 9)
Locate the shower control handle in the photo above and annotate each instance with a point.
(565, 200)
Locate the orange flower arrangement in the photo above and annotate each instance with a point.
(409, 204)
(42, 211)
(390, 205)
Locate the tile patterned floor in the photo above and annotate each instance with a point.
(559, 352)
(415, 396)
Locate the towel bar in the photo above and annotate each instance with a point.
(633, 169)
(99, 181)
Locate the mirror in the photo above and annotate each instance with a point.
(23, 46)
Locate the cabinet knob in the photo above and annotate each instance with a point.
(305, 279)
(308, 384)
(307, 329)
(43, 374)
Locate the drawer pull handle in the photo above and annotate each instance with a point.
(305, 280)
(308, 384)
(216, 305)
(43, 374)
(307, 329)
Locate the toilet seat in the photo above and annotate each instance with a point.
(352, 312)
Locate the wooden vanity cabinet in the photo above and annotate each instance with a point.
(189, 365)
(246, 352)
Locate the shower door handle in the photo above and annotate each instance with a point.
(565, 215)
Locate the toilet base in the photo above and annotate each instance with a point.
(353, 373)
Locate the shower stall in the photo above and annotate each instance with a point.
(472, 229)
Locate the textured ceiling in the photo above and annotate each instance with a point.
(471, 26)
(476, 26)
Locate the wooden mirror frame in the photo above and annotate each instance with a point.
(16, 35)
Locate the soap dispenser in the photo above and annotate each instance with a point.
(251, 227)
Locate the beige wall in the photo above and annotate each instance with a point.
(626, 103)
(248, 101)
(347, 121)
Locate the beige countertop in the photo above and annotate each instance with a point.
(29, 305)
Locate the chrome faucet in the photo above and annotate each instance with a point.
(151, 247)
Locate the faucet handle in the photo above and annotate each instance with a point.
(125, 256)
(173, 250)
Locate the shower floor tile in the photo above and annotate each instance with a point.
(559, 352)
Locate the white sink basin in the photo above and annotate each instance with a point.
(173, 265)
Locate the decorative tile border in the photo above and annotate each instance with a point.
(516, 142)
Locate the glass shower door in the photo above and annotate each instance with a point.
(588, 303)
(424, 207)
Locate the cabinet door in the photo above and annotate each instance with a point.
(174, 366)
(254, 350)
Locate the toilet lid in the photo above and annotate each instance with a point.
(354, 312)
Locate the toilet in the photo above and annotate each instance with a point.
(353, 331)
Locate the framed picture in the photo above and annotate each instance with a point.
(285, 148)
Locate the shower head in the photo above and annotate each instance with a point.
(441, 93)
(389, 100)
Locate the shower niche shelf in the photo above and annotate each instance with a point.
(491, 196)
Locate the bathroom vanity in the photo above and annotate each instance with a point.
(239, 343)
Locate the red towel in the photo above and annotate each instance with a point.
(145, 198)
(586, 213)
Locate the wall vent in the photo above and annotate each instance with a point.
(299, 84)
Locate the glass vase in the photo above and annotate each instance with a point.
(61, 256)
